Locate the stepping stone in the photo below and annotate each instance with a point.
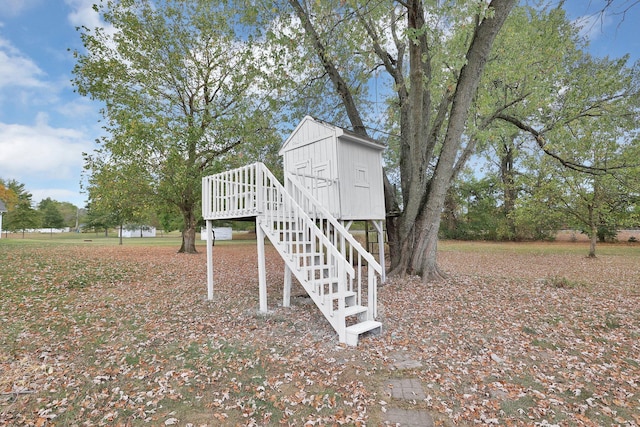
(405, 388)
(408, 418)
(407, 364)
(403, 361)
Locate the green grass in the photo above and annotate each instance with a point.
(172, 239)
(561, 282)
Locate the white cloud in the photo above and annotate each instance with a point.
(83, 15)
(59, 194)
(41, 151)
(592, 26)
(79, 107)
(17, 69)
(16, 7)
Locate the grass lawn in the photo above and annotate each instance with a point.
(96, 333)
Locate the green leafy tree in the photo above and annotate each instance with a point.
(602, 201)
(518, 85)
(472, 211)
(71, 214)
(50, 214)
(119, 194)
(21, 216)
(536, 214)
(548, 94)
(7, 195)
(182, 92)
(9, 198)
(97, 220)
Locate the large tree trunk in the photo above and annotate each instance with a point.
(420, 235)
(593, 230)
(507, 176)
(189, 231)
(593, 239)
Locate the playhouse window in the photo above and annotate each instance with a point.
(362, 176)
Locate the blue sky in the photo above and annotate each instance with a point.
(45, 127)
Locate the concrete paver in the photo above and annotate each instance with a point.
(405, 388)
(408, 418)
(409, 389)
(403, 361)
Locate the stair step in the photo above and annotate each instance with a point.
(354, 331)
(335, 295)
(324, 271)
(308, 254)
(354, 309)
(324, 281)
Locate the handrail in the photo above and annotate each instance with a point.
(230, 193)
(334, 222)
(306, 198)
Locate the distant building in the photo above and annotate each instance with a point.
(219, 233)
(142, 231)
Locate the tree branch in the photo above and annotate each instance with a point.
(339, 83)
(542, 143)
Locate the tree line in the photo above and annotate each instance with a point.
(493, 103)
(22, 215)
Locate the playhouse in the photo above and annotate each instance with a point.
(341, 169)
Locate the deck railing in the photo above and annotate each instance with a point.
(231, 194)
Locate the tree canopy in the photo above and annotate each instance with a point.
(180, 89)
(20, 214)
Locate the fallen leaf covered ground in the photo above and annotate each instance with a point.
(123, 335)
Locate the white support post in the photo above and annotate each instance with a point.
(262, 270)
(209, 261)
(372, 297)
(378, 225)
(342, 326)
(286, 294)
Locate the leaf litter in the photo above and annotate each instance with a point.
(100, 335)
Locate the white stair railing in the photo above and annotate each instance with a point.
(355, 254)
(230, 194)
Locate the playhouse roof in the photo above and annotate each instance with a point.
(310, 130)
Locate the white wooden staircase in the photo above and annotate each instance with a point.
(338, 274)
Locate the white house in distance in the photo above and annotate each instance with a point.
(219, 233)
(144, 231)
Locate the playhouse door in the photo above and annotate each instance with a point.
(319, 179)
(327, 190)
